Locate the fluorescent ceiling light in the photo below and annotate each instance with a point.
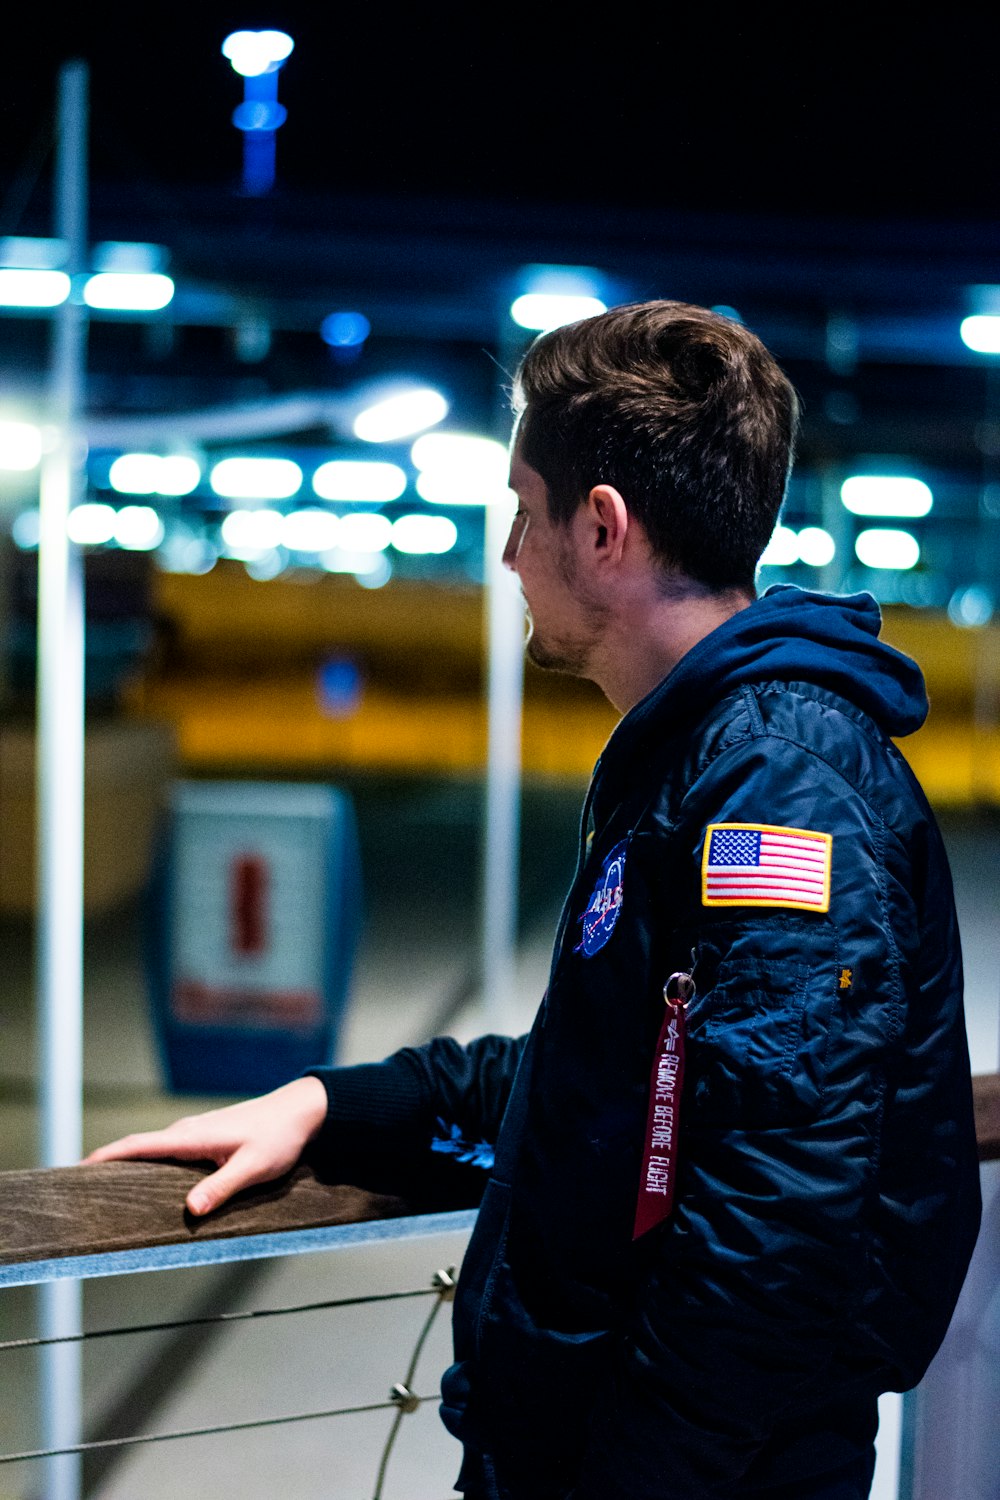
(400, 416)
(885, 548)
(252, 53)
(542, 311)
(128, 291)
(816, 546)
(249, 533)
(782, 550)
(33, 288)
(421, 534)
(152, 474)
(886, 495)
(346, 479)
(310, 530)
(91, 525)
(365, 531)
(138, 528)
(460, 468)
(982, 333)
(256, 478)
(20, 446)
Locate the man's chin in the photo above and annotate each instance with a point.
(552, 659)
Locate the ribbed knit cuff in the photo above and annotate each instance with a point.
(374, 1111)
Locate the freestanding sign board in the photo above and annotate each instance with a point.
(253, 925)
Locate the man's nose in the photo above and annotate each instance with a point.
(515, 541)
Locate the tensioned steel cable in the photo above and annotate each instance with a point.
(401, 1397)
(230, 1317)
(192, 1432)
(402, 1393)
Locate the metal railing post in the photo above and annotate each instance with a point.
(59, 795)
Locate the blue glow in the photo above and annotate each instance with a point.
(345, 330)
(259, 114)
(338, 687)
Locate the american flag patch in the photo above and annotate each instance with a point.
(757, 864)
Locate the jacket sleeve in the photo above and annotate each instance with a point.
(754, 1280)
(383, 1117)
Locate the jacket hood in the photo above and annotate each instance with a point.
(792, 635)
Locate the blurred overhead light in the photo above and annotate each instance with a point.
(542, 311)
(186, 551)
(816, 547)
(91, 525)
(309, 531)
(347, 479)
(26, 530)
(128, 291)
(33, 252)
(886, 495)
(460, 468)
(345, 330)
(20, 446)
(971, 608)
(365, 531)
(782, 550)
(361, 564)
(266, 565)
(982, 333)
(138, 528)
(33, 288)
(151, 474)
(400, 416)
(249, 533)
(256, 478)
(421, 534)
(255, 52)
(886, 548)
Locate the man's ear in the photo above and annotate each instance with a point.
(607, 521)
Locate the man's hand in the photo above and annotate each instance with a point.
(250, 1143)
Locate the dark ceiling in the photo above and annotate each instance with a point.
(833, 184)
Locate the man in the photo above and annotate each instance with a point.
(687, 1287)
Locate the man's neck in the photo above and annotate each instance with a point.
(648, 637)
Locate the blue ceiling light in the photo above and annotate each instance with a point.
(554, 295)
(981, 333)
(258, 56)
(345, 330)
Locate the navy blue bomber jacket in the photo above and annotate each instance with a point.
(827, 1195)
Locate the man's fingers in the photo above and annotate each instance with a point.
(152, 1145)
(242, 1170)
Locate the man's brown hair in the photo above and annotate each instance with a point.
(683, 411)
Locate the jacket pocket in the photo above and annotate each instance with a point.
(758, 1028)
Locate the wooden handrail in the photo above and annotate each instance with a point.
(113, 1206)
(132, 1205)
(986, 1098)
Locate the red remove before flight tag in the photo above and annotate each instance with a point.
(659, 1157)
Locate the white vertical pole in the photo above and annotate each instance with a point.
(501, 845)
(59, 785)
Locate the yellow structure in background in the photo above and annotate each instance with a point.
(237, 681)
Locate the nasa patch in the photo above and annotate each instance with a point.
(605, 903)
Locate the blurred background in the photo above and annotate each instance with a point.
(312, 262)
